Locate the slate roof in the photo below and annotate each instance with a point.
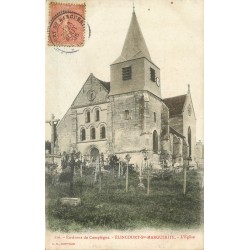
(173, 131)
(106, 85)
(134, 45)
(175, 104)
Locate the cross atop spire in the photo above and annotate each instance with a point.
(134, 46)
(133, 6)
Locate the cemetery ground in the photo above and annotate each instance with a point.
(112, 208)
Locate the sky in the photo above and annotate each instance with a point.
(173, 31)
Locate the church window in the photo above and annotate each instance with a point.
(97, 115)
(155, 142)
(87, 118)
(154, 117)
(189, 110)
(83, 134)
(126, 114)
(92, 133)
(103, 132)
(189, 141)
(152, 75)
(146, 107)
(126, 73)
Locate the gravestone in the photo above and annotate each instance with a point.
(70, 201)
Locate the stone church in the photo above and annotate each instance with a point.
(128, 114)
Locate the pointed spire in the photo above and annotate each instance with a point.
(134, 45)
(188, 88)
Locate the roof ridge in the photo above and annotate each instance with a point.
(134, 43)
(105, 84)
(175, 104)
(176, 132)
(174, 96)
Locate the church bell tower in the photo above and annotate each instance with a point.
(134, 70)
(135, 99)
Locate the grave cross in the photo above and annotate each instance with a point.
(53, 123)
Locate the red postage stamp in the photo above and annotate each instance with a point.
(67, 24)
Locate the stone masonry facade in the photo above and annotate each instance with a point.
(128, 115)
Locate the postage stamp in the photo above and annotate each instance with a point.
(67, 24)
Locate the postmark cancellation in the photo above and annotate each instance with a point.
(66, 24)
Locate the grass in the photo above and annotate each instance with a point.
(113, 208)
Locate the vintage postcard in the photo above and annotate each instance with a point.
(124, 124)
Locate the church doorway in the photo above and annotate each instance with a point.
(94, 154)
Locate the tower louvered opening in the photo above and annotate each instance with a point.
(126, 73)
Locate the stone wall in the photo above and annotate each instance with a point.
(149, 84)
(99, 142)
(136, 83)
(125, 133)
(140, 77)
(69, 128)
(165, 136)
(64, 133)
(92, 84)
(135, 133)
(127, 130)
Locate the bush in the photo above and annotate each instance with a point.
(48, 179)
(50, 173)
(65, 177)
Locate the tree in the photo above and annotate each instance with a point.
(113, 162)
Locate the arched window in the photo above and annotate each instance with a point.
(92, 133)
(126, 114)
(189, 141)
(87, 118)
(155, 142)
(102, 132)
(97, 115)
(83, 134)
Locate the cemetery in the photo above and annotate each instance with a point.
(113, 194)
